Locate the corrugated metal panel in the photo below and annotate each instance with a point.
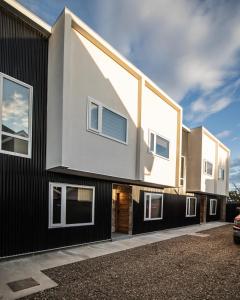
(24, 182)
(174, 211)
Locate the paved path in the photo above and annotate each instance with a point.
(31, 266)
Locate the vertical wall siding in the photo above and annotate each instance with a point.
(174, 211)
(24, 182)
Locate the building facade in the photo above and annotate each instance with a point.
(89, 145)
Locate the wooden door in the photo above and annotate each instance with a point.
(122, 212)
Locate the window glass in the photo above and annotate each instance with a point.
(221, 173)
(147, 204)
(15, 108)
(191, 206)
(162, 147)
(56, 205)
(156, 206)
(15, 145)
(78, 205)
(213, 206)
(152, 142)
(94, 116)
(182, 170)
(114, 125)
(208, 168)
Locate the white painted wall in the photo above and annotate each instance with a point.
(161, 118)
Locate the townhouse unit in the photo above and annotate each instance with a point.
(89, 145)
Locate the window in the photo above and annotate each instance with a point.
(153, 206)
(191, 206)
(213, 207)
(208, 168)
(106, 122)
(16, 116)
(158, 145)
(183, 169)
(71, 205)
(221, 173)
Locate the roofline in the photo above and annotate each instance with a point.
(184, 127)
(85, 30)
(28, 16)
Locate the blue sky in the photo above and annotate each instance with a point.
(191, 49)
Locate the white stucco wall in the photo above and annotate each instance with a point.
(161, 118)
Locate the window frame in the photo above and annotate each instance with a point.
(155, 134)
(205, 161)
(210, 208)
(150, 206)
(100, 111)
(221, 171)
(29, 138)
(63, 205)
(188, 200)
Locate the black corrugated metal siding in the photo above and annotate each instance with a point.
(24, 182)
(174, 214)
(232, 210)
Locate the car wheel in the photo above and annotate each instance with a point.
(236, 240)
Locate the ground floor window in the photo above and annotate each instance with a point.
(213, 207)
(191, 206)
(71, 205)
(153, 206)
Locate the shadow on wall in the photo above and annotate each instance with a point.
(104, 89)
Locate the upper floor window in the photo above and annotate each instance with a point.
(158, 145)
(213, 207)
(191, 206)
(71, 205)
(153, 206)
(221, 173)
(16, 116)
(183, 171)
(208, 168)
(106, 122)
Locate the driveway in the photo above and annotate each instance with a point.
(201, 266)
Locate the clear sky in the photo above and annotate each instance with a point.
(191, 49)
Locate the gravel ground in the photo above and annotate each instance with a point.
(187, 267)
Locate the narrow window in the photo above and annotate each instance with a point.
(107, 123)
(153, 206)
(16, 120)
(158, 145)
(71, 205)
(221, 173)
(208, 168)
(213, 207)
(183, 169)
(191, 206)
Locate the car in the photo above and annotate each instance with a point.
(236, 230)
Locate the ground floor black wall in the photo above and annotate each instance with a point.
(210, 218)
(174, 214)
(232, 210)
(24, 214)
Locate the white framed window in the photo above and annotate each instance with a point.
(15, 116)
(213, 207)
(221, 173)
(208, 167)
(191, 206)
(183, 171)
(153, 206)
(158, 145)
(71, 205)
(107, 122)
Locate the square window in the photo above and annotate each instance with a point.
(153, 206)
(208, 168)
(158, 145)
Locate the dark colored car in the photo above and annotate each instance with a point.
(236, 230)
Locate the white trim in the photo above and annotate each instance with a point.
(188, 200)
(30, 108)
(211, 213)
(149, 218)
(99, 130)
(184, 170)
(150, 131)
(63, 205)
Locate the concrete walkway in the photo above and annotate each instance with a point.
(31, 266)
